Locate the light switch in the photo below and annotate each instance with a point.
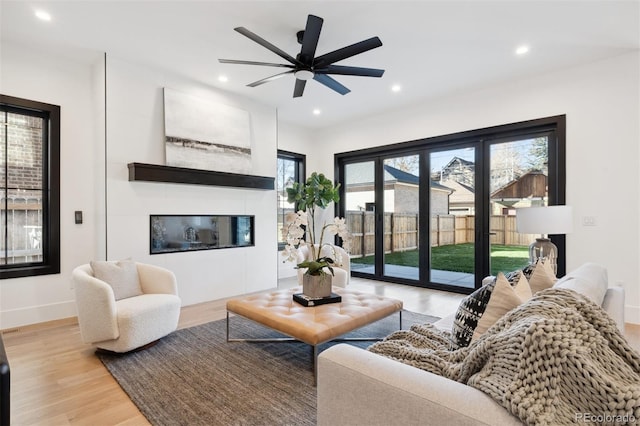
(78, 217)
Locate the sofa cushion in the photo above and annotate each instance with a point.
(473, 306)
(540, 276)
(590, 280)
(504, 298)
(122, 276)
(468, 314)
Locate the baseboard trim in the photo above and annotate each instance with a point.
(31, 315)
(632, 314)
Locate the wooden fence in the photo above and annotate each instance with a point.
(401, 231)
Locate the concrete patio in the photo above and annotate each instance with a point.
(458, 279)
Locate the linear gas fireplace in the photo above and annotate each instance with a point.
(176, 233)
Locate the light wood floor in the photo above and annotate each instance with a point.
(57, 380)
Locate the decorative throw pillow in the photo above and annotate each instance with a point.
(122, 276)
(468, 314)
(528, 271)
(504, 298)
(521, 287)
(542, 276)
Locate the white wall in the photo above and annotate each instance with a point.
(76, 82)
(135, 133)
(72, 84)
(601, 103)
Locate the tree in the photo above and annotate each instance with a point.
(505, 164)
(408, 163)
(538, 158)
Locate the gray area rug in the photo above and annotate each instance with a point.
(194, 377)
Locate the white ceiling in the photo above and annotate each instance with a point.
(431, 48)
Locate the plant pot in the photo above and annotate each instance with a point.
(316, 285)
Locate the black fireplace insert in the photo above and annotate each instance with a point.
(178, 233)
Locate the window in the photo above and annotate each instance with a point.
(439, 212)
(291, 168)
(29, 188)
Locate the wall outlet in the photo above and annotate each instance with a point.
(588, 221)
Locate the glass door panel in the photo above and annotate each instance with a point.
(359, 202)
(401, 216)
(452, 204)
(518, 178)
(287, 175)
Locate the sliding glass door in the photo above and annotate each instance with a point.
(401, 209)
(452, 213)
(359, 202)
(518, 178)
(440, 212)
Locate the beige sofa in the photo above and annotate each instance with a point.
(358, 387)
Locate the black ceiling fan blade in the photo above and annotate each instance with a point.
(347, 52)
(346, 70)
(298, 90)
(241, 62)
(331, 83)
(264, 43)
(268, 79)
(310, 39)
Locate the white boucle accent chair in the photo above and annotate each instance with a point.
(129, 323)
(342, 272)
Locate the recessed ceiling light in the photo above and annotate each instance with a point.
(521, 50)
(396, 88)
(43, 15)
(223, 79)
(316, 111)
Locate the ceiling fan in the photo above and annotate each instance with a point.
(306, 65)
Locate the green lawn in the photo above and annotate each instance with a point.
(459, 258)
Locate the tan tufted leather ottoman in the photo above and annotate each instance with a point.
(317, 324)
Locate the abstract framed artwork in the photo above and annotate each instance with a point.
(200, 134)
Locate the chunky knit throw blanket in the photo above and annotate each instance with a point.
(557, 359)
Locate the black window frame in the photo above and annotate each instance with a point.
(556, 125)
(50, 263)
(300, 176)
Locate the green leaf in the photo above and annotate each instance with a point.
(315, 267)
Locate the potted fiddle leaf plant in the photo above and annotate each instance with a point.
(300, 231)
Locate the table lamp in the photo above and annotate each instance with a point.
(544, 220)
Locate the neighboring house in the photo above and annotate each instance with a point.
(462, 199)
(400, 190)
(528, 190)
(458, 170)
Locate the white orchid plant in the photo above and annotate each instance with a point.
(318, 191)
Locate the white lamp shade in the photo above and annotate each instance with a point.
(545, 220)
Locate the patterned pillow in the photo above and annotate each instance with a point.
(468, 314)
(504, 297)
(527, 271)
(472, 308)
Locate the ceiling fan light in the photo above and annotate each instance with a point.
(303, 74)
